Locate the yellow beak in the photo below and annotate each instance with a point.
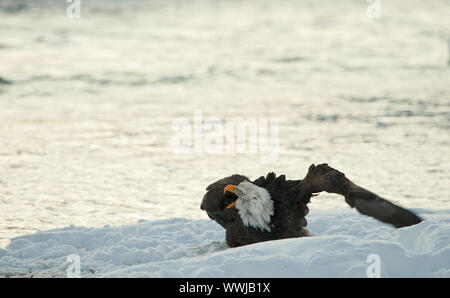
(231, 205)
(230, 188)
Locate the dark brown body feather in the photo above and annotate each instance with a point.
(290, 199)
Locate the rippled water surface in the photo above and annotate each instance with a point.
(87, 105)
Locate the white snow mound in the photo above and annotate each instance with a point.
(343, 246)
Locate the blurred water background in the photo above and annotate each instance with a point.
(87, 104)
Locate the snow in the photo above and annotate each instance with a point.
(180, 247)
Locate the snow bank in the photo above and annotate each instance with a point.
(196, 248)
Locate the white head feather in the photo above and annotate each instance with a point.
(254, 205)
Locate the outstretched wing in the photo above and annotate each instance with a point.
(370, 204)
(324, 178)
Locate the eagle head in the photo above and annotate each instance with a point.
(254, 204)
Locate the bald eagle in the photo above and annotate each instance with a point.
(273, 207)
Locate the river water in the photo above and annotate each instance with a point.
(88, 105)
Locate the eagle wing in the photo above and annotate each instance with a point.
(324, 178)
(370, 204)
